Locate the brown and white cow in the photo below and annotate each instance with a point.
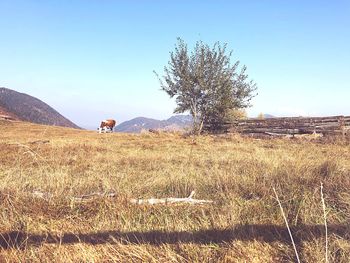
(107, 126)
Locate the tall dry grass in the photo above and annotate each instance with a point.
(244, 225)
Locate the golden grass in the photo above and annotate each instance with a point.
(244, 225)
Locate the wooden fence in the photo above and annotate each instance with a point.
(291, 125)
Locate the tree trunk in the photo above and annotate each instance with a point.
(201, 126)
(195, 127)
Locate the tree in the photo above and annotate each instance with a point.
(237, 114)
(205, 83)
(261, 116)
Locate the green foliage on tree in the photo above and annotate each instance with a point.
(205, 83)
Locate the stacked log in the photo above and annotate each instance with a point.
(292, 125)
(6, 117)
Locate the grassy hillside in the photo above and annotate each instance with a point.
(27, 108)
(244, 225)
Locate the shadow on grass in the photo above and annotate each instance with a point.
(264, 233)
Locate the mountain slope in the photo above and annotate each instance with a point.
(268, 116)
(177, 122)
(23, 107)
(137, 124)
(5, 114)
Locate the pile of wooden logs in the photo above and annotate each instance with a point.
(293, 125)
(6, 117)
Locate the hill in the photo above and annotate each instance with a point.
(65, 197)
(24, 107)
(5, 114)
(136, 125)
(269, 116)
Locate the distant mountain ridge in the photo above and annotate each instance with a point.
(136, 125)
(21, 106)
(268, 116)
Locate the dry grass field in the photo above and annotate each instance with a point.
(244, 224)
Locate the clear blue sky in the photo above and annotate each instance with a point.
(93, 59)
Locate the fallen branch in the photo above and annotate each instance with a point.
(42, 195)
(286, 221)
(31, 143)
(92, 195)
(151, 201)
(325, 221)
(39, 142)
(46, 196)
(171, 200)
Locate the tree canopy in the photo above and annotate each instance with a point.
(206, 84)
